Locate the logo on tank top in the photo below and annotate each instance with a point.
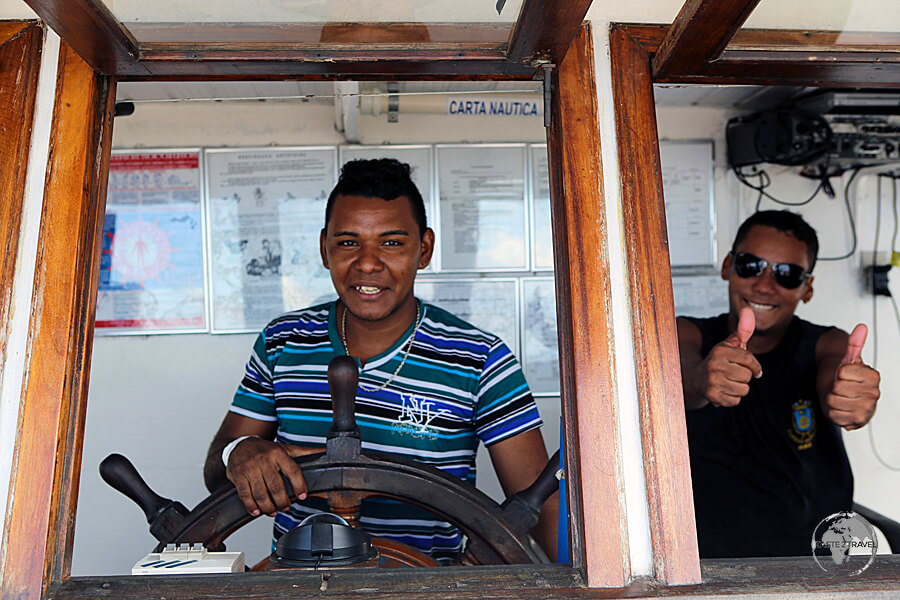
(803, 424)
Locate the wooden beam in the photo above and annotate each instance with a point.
(324, 51)
(866, 44)
(85, 283)
(583, 303)
(223, 51)
(545, 29)
(48, 449)
(20, 61)
(91, 30)
(699, 33)
(663, 430)
(165, 61)
(784, 578)
(788, 57)
(797, 73)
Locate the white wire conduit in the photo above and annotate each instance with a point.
(524, 105)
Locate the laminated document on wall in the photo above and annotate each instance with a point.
(687, 169)
(541, 229)
(482, 210)
(700, 295)
(151, 264)
(266, 209)
(540, 346)
(489, 303)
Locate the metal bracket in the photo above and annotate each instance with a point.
(393, 114)
(547, 68)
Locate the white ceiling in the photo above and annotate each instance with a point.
(740, 97)
(317, 91)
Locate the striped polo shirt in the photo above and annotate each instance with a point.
(459, 385)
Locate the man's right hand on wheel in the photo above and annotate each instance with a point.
(256, 466)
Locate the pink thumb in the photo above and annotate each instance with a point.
(745, 327)
(855, 345)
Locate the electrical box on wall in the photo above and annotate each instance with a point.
(875, 269)
(876, 278)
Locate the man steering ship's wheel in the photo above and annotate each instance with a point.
(344, 477)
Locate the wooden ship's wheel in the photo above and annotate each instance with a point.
(343, 476)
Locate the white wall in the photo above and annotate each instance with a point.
(838, 298)
(159, 399)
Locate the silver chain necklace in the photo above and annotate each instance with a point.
(405, 354)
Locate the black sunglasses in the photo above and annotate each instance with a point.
(787, 275)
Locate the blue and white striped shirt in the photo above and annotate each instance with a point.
(459, 385)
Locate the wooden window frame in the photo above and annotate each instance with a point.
(704, 45)
(98, 52)
(20, 45)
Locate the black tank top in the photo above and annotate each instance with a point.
(766, 471)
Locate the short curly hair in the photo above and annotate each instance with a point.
(384, 178)
(784, 221)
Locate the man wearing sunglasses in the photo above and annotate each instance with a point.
(766, 394)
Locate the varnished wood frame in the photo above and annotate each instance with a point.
(47, 461)
(52, 419)
(657, 365)
(641, 56)
(20, 51)
(786, 67)
(543, 31)
(699, 34)
(786, 57)
(705, 43)
(583, 301)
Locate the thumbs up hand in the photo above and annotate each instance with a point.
(855, 344)
(726, 372)
(745, 328)
(854, 392)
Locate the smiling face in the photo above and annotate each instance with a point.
(373, 248)
(772, 305)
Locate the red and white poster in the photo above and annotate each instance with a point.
(151, 277)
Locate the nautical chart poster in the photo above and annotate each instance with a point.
(266, 207)
(542, 232)
(482, 207)
(540, 348)
(491, 304)
(151, 265)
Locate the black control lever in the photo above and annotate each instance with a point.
(343, 437)
(524, 507)
(166, 517)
